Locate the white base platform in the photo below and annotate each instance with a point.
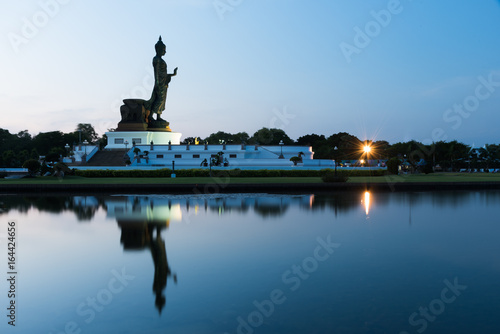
(117, 139)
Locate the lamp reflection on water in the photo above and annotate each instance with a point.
(366, 201)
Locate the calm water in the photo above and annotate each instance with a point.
(254, 263)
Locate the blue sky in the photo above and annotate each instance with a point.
(392, 70)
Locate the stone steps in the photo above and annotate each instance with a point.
(107, 158)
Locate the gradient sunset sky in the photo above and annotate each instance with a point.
(392, 70)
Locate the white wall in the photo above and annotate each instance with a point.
(250, 155)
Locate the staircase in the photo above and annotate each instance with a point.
(107, 158)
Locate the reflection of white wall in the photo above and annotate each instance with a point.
(143, 209)
(86, 201)
(160, 209)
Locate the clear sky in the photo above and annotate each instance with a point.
(393, 70)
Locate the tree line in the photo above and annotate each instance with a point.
(453, 155)
(15, 149)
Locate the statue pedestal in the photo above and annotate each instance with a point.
(117, 139)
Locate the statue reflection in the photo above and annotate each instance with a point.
(141, 235)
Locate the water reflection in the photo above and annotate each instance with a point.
(232, 249)
(141, 220)
(140, 235)
(161, 209)
(366, 202)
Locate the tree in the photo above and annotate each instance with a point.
(379, 149)
(103, 141)
(23, 155)
(411, 151)
(34, 154)
(313, 140)
(32, 165)
(266, 136)
(9, 159)
(88, 132)
(348, 147)
(240, 138)
(23, 141)
(45, 141)
(393, 166)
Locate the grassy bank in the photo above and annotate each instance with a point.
(431, 178)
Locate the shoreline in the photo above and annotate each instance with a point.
(211, 188)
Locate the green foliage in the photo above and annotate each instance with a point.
(124, 173)
(393, 165)
(224, 137)
(62, 167)
(16, 148)
(88, 132)
(427, 168)
(331, 177)
(192, 173)
(44, 142)
(313, 140)
(102, 142)
(46, 169)
(228, 172)
(266, 136)
(9, 159)
(32, 165)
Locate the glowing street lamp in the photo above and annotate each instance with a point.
(367, 149)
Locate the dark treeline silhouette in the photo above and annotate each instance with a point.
(450, 156)
(15, 149)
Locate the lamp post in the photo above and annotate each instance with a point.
(67, 149)
(335, 150)
(281, 146)
(126, 144)
(85, 143)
